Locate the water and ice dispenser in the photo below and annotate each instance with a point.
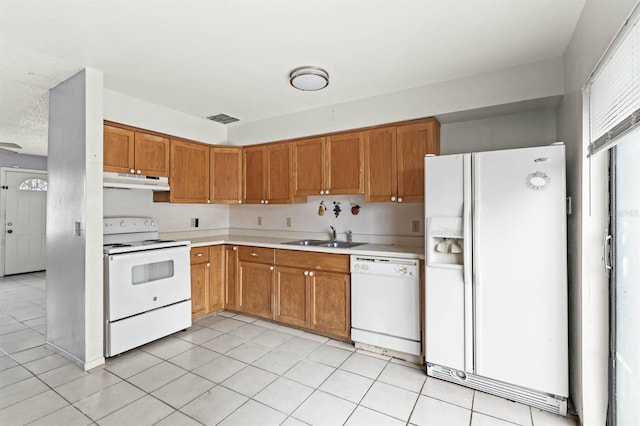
(445, 242)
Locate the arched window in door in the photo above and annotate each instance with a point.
(33, 184)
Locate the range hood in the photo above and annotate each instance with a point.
(127, 181)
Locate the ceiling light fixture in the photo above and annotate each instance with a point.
(309, 78)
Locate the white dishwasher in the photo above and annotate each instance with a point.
(385, 303)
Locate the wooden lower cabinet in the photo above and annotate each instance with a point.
(255, 282)
(292, 296)
(297, 288)
(231, 280)
(216, 278)
(207, 280)
(199, 281)
(330, 303)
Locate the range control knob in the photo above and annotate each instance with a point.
(146, 223)
(123, 224)
(153, 223)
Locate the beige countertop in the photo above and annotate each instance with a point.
(373, 249)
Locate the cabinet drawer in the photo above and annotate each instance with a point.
(199, 255)
(315, 261)
(256, 254)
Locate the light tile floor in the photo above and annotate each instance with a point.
(226, 369)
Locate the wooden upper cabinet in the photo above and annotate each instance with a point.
(189, 180)
(329, 165)
(278, 178)
(345, 163)
(267, 174)
(253, 172)
(309, 169)
(225, 165)
(135, 152)
(414, 142)
(151, 155)
(381, 171)
(118, 150)
(394, 160)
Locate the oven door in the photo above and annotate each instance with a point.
(140, 281)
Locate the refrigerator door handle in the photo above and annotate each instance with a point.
(467, 229)
(606, 252)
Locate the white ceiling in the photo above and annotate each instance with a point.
(204, 57)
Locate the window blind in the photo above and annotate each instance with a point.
(614, 89)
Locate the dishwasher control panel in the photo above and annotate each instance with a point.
(384, 266)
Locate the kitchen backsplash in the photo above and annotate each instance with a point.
(375, 219)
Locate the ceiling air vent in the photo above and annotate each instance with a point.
(222, 118)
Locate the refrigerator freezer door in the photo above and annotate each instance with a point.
(445, 289)
(520, 287)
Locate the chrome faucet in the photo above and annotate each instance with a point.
(333, 233)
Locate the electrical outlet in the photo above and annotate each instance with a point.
(415, 226)
(260, 220)
(195, 222)
(288, 222)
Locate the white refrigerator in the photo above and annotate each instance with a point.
(496, 273)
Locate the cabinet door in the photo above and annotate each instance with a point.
(309, 167)
(216, 278)
(189, 180)
(225, 165)
(330, 303)
(345, 163)
(291, 296)
(278, 184)
(118, 150)
(414, 142)
(199, 289)
(380, 171)
(253, 170)
(231, 282)
(152, 155)
(255, 289)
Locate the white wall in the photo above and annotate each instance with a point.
(125, 109)
(588, 295)
(74, 259)
(374, 219)
(525, 129)
(531, 81)
(170, 217)
(22, 161)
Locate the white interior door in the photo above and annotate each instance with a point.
(25, 218)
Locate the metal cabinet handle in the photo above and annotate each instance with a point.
(199, 254)
(254, 254)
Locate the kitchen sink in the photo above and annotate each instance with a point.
(325, 243)
(304, 242)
